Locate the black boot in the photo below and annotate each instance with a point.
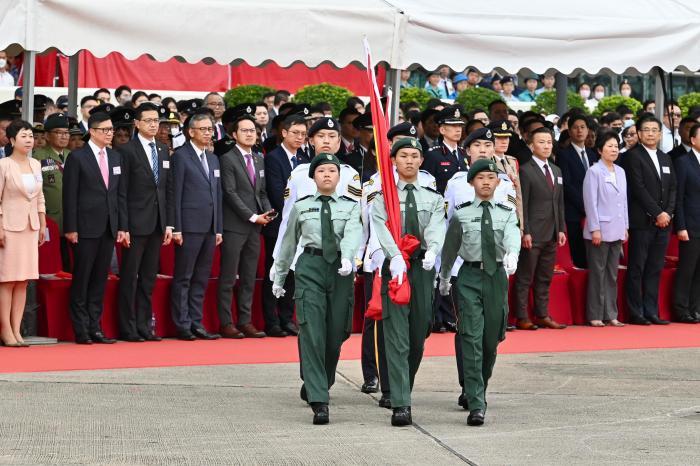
(321, 415)
(401, 416)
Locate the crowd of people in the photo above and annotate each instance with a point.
(502, 190)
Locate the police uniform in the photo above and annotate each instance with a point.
(52, 177)
(482, 232)
(328, 229)
(440, 161)
(356, 158)
(406, 327)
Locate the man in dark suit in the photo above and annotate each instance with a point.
(197, 213)
(91, 221)
(446, 158)
(246, 210)
(574, 161)
(684, 132)
(279, 164)
(686, 286)
(544, 230)
(146, 223)
(651, 193)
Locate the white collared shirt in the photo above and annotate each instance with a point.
(654, 158)
(289, 155)
(541, 164)
(145, 143)
(197, 150)
(580, 150)
(253, 218)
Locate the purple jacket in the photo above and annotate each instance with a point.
(605, 202)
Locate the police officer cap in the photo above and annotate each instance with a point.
(56, 120)
(321, 159)
(237, 112)
(364, 121)
(501, 128)
(38, 128)
(11, 109)
(103, 108)
(62, 102)
(122, 116)
(302, 110)
(324, 123)
(451, 115)
(163, 113)
(402, 129)
(411, 143)
(480, 133)
(74, 129)
(481, 165)
(173, 118)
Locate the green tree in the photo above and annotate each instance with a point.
(546, 102)
(415, 94)
(610, 103)
(313, 94)
(250, 93)
(476, 97)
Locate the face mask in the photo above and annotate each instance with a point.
(626, 93)
(599, 95)
(3, 62)
(628, 123)
(617, 130)
(174, 130)
(585, 93)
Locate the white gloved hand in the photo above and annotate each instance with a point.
(429, 260)
(510, 263)
(377, 259)
(345, 268)
(278, 291)
(273, 272)
(397, 267)
(445, 286)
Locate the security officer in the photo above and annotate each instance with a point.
(503, 132)
(446, 158)
(362, 158)
(485, 235)
(328, 227)
(52, 158)
(406, 327)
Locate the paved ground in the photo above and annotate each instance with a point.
(623, 407)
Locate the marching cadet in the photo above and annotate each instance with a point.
(327, 227)
(502, 131)
(407, 327)
(52, 158)
(484, 233)
(446, 158)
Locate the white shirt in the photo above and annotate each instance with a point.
(289, 155)
(667, 139)
(654, 158)
(579, 150)
(253, 218)
(29, 182)
(6, 79)
(147, 148)
(541, 164)
(197, 150)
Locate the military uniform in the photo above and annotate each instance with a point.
(481, 232)
(509, 165)
(328, 229)
(406, 327)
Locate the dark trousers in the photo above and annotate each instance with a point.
(192, 269)
(535, 268)
(137, 277)
(276, 311)
(574, 236)
(373, 355)
(91, 264)
(647, 251)
(686, 287)
(236, 246)
(444, 311)
(66, 265)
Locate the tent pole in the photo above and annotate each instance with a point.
(394, 79)
(659, 95)
(28, 68)
(73, 63)
(561, 84)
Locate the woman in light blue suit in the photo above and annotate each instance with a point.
(605, 202)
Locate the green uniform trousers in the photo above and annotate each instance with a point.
(481, 324)
(405, 330)
(324, 304)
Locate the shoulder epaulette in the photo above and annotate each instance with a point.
(504, 207)
(354, 191)
(466, 204)
(348, 198)
(305, 197)
(432, 189)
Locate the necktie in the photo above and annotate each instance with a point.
(330, 250)
(154, 161)
(249, 167)
(411, 213)
(454, 153)
(205, 165)
(503, 162)
(548, 176)
(584, 159)
(294, 161)
(488, 243)
(104, 168)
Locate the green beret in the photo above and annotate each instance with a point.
(411, 143)
(481, 165)
(321, 159)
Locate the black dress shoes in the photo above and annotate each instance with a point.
(476, 417)
(132, 339)
(291, 329)
(302, 394)
(385, 401)
(687, 319)
(656, 321)
(401, 416)
(462, 401)
(204, 335)
(321, 415)
(152, 337)
(276, 331)
(510, 327)
(98, 337)
(639, 321)
(186, 336)
(83, 341)
(451, 327)
(370, 386)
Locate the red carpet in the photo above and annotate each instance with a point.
(168, 353)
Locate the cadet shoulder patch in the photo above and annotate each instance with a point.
(348, 198)
(354, 190)
(371, 196)
(504, 207)
(465, 204)
(305, 197)
(286, 193)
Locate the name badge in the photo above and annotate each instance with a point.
(560, 180)
(666, 170)
(117, 170)
(166, 163)
(445, 164)
(262, 173)
(216, 173)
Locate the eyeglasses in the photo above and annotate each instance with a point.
(104, 130)
(650, 130)
(215, 104)
(298, 134)
(62, 134)
(247, 131)
(629, 135)
(205, 129)
(150, 121)
(676, 115)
